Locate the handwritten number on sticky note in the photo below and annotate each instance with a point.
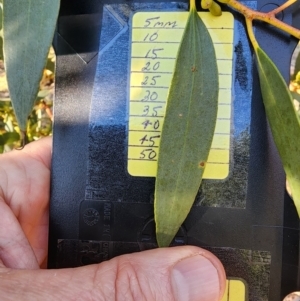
(153, 53)
(151, 37)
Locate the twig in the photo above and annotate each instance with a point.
(266, 17)
(282, 7)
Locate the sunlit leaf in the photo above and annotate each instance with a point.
(283, 120)
(28, 28)
(187, 130)
(50, 65)
(43, 93)
(10, 137)
(4, 103)
(297, 67)
(296, 96)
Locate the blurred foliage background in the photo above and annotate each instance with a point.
(40, 120)
(295, 78)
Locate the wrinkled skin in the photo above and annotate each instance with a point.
(24, 200)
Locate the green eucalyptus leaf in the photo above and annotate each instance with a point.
(50, 65)
(10, 137)
(4, 102)
(296, 96)
(297, 67)
(283, 120)
(1, 32)
(1, 15)
(28, 28)
(1, 48)
(43, 93)
(188, 129)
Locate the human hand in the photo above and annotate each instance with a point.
(181, 273)
(24, 199)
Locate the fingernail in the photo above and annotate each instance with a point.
(292, 297)
(195, 278)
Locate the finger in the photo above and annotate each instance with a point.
(39, 150)
(179, 273)
(24, 185)
(15, 250)
(293, 297)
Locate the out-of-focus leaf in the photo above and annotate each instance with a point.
(43, 93)
(4, 103)
(296, 96)
(10, 137)
(1, 31)
(187, 130)
(28, 28)
(50, 65)
(283, 120)
(297, 67)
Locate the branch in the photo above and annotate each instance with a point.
(282, 7)
(266, 17)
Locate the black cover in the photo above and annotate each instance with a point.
(99, 211)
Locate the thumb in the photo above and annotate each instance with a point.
(293, 297)
(172, 274)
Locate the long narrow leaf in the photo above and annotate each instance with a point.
(283, 120)
(28, 27)
(188, 129)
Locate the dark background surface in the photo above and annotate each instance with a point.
(262, 233)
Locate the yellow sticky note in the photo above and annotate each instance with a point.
(155, 39)
(235, 290)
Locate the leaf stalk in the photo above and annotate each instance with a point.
(269, 17)
(192, 4)
(251, 33)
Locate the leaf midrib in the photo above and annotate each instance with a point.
(189, 109)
